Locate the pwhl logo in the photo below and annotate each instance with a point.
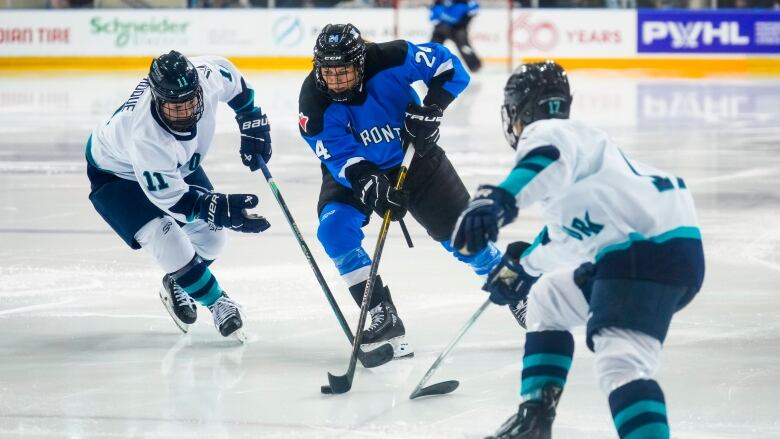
(691, 34)
(140, 32)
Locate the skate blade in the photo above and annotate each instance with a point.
(239, 335)
(184, 327)
(401, 348)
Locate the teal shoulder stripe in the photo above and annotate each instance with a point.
(680, 232)
(517, 180)
(90, 159)
(538, 160)
(636, 409)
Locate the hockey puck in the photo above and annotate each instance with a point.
(326, 390)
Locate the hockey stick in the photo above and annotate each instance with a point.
(445, 387)
(368, 359)
(342, 383)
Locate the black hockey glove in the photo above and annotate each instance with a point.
(490, 209)
(508, 283)
(222, 210)
(376, 192)
(421, 127)
(255, 138)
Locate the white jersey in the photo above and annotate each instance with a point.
(135, 143)
(595, 199)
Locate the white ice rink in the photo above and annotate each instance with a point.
(88, 351)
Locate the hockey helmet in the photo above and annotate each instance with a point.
(340, 46)
(174, 80)
(533, 92)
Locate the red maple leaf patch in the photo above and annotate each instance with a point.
(303, 120)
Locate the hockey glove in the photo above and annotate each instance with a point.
(255, 138)
(376, 192)
(221, 210)
(508, 283)
(491, 208)
(421, 127)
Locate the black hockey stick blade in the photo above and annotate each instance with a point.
(377, 357)
(442, 388)
(338, 384)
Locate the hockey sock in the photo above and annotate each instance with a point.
(639, 410)
(380, 294)
(481, 262)
(196, 279)
(354, 266)
(547, 359)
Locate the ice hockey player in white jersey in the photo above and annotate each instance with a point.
(621, 253)
(147, 182)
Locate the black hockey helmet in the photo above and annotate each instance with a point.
(173, 79)
(535, 91)
(340, 45)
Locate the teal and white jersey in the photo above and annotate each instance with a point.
(136, 144)
(595, 200)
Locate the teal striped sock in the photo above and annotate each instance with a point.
(547, 360)
(639, 410)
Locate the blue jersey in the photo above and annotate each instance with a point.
(368, 127)
(453, 12)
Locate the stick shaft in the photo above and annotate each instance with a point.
(450, 346)
(380, 243)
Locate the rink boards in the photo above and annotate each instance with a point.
(671, 42)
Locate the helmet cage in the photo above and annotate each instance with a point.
(340, 46)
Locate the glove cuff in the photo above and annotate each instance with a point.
(505, 202)
(363, 168)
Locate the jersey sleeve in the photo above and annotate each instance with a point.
(232, 86)
(439, 69)
(157, 172)
(335, 144)
(546, 254)
(544, 168)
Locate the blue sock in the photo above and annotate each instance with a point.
(481, 262)
(547, 360)
(639, 410)
(200, 284)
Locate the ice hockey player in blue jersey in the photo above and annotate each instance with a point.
(144, 165)
(621, 253)
(451, 19)
(357, 106)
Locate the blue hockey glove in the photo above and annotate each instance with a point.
(255, 138)
(508, 283)
(221, 210)
(421, 127)
(490, 209)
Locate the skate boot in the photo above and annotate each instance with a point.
(227, 317)
(533, 419)
(386, 327)
(179, 304)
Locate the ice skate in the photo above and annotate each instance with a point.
(227, 318)
(179, 304)
(533, 419)
(386, 327)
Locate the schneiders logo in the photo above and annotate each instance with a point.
(689, 35)
(138, 31)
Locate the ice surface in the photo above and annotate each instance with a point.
(87, 350)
